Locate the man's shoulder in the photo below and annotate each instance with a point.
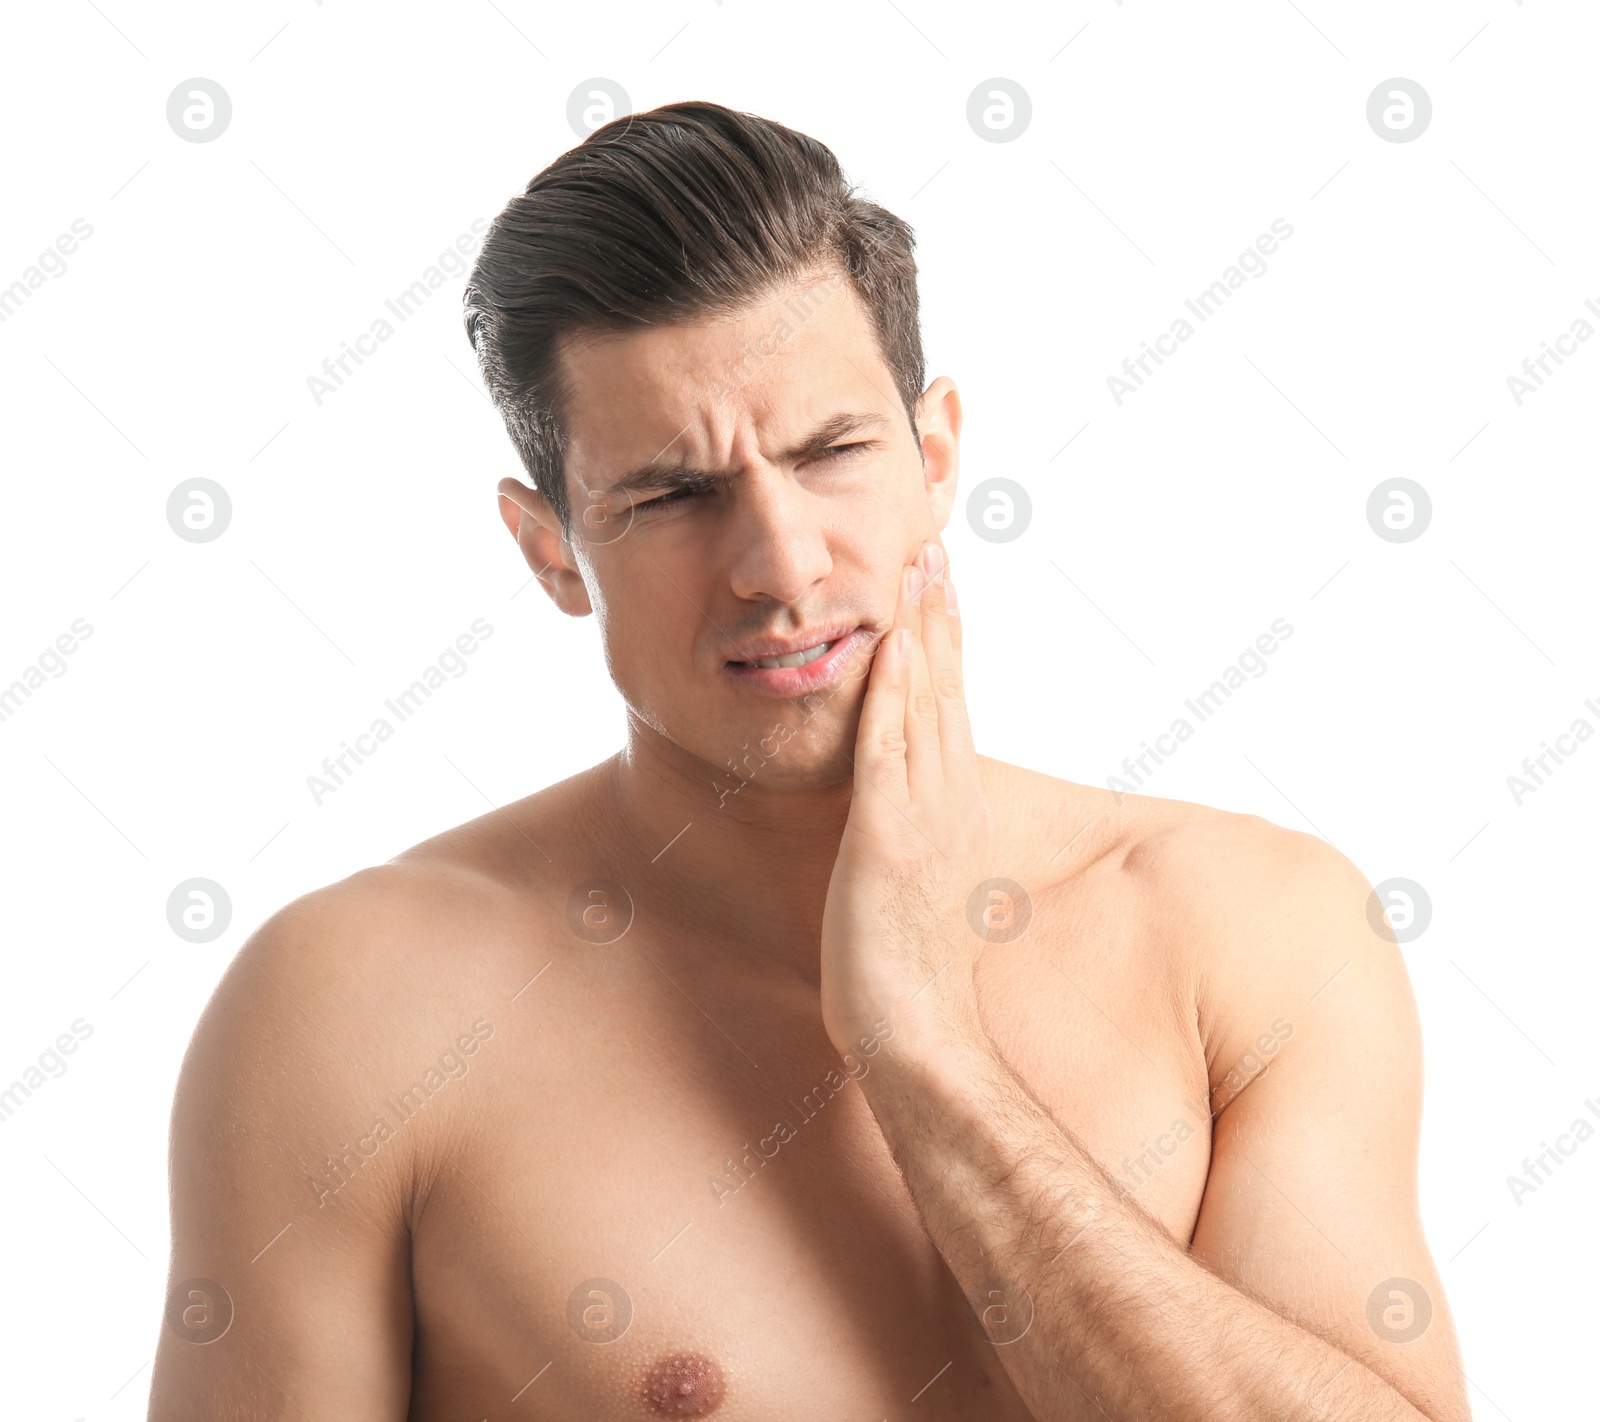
(1198, 851)
(512, 847)
(1276, 930)
(1242, 895)
(447, 922)
(357, 975)
(1260, 932)
(1230, 868)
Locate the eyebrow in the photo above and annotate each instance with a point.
(655, 477)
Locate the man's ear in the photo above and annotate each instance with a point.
(939, 427)
(537, 529)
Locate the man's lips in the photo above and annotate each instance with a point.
(791, 681)
(755, 649)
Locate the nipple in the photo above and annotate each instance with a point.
(683, 1385)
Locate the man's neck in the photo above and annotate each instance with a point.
(743, 874)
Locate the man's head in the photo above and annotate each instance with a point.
(706, 351)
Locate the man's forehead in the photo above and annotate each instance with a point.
(821, 304)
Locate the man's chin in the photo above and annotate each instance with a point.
(789, 754)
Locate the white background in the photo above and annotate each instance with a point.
(1173, 529)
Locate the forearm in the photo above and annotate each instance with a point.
(1124, 1322)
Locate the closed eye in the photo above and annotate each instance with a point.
(828, 455)
(834, 450)
(671, 498)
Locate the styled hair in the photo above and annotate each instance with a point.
(689, 212)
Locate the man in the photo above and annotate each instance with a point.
(797, 1061)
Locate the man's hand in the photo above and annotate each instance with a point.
(897, 938)
(1094, 1309)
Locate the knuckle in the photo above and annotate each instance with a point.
(925, 704)
(891, 741)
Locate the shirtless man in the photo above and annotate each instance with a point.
(797, 1062)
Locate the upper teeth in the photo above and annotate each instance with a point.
(794, 659)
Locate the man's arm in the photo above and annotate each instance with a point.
(1309, 1291)
(1309, 1219)
(287, 1295)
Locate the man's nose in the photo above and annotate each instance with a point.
(777, 537)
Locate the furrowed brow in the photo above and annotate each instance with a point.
(657, 477)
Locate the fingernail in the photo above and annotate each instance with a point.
(950, 599)
(914, 584)
(933, 558)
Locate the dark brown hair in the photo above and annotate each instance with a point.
(691, 211)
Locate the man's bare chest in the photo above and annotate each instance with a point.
(666, 1196)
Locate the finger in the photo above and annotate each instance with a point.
(924, 759)
(880, 764)
(941, 641)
